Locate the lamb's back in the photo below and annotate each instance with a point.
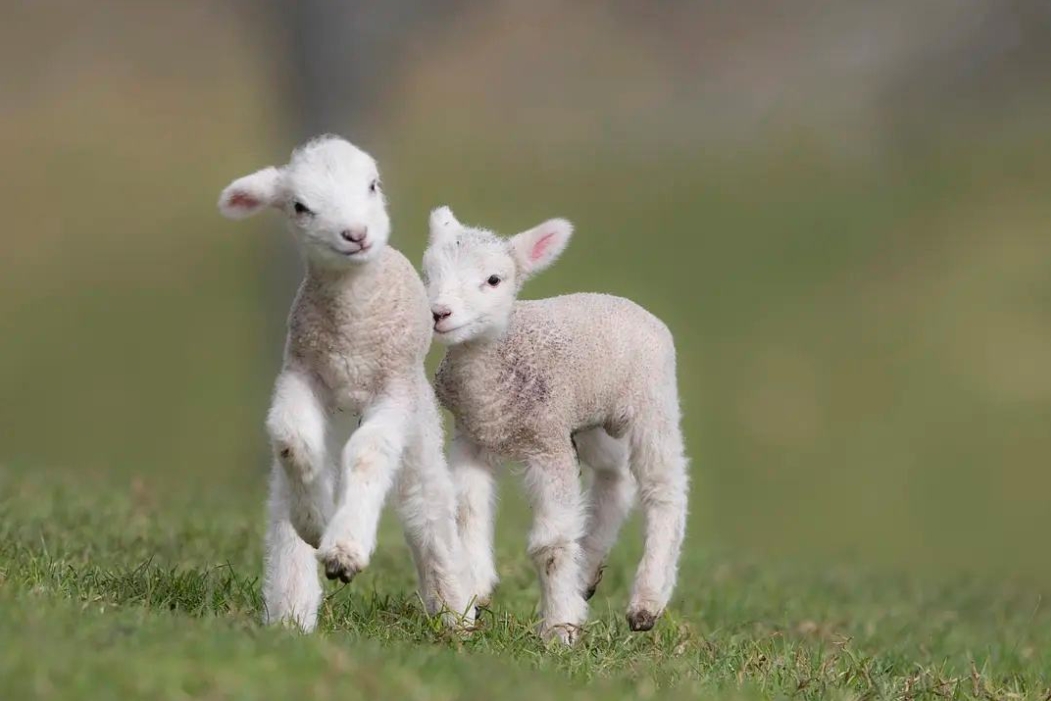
(566, 363)
(610, 348)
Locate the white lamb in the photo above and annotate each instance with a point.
(532, 380)
(352, 402)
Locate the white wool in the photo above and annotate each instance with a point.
(352, 413)
(543, 383)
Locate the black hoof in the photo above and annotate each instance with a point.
(590, 592)
(641, 620)
(340, 573)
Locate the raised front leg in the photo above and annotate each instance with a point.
(427, 505)
(291, 589)
(368, 466)
(558, 523)
(473, 474)
(610, 497)
(296, 424)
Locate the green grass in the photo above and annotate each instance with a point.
(864, 374)
(112, 590)
(863, 349)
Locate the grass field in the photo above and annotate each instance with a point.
(108, 590)
(819, 374)
(864, 346)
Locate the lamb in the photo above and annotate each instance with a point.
(352, 403)
(532, 381)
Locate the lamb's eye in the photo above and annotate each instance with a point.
(493, 280)
(374, 186)
(302, 208)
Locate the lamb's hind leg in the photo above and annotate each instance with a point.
(659, 465)
(610, 497)
(291, 587)
(427, 505)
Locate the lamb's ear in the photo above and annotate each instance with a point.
(248, 195)
(443, 223)
(539, 247)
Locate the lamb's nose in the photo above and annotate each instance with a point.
(440, 312)
(356, 235)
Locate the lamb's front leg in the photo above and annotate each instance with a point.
(300, 501)
(558, 523)
(296, 424)
(368, 466)
(475, 486)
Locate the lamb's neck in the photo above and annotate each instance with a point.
(475, 358)
(473, 351)
(331, 282)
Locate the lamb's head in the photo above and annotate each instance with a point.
(473, 276)
(330, 192)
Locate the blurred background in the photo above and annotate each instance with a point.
(842, 210)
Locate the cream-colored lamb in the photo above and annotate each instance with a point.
(545, 382)
(352, 404)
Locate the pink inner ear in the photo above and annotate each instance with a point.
(540, 247)
(243, 199)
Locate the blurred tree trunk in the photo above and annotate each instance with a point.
(335, 61)
(344, 55)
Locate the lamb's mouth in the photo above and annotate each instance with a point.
(356, 251)
(447, 331)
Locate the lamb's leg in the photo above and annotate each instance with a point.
(659, 465)
(296, 424)
(554, 543)
(368, 466)
(610, 498)
(300, 502)
(473, 475)
(291, 589)
(427, 505)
